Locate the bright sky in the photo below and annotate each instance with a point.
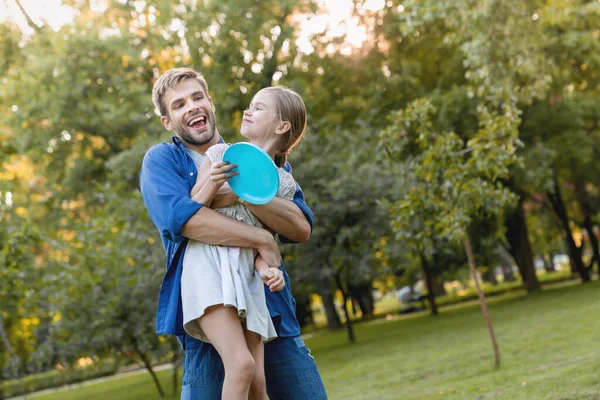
(338, 18)
(50, 11)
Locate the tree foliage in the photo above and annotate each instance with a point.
(451, 119)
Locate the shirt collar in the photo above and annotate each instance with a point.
(178, 142)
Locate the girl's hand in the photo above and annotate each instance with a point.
(220, 172)
(272, 277)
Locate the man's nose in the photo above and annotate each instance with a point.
(191, 107)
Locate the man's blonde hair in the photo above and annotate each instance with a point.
(169, 80)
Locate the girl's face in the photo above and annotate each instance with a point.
(261, 119)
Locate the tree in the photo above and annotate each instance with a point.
(350, 222)
(560, 129)
(453, 177)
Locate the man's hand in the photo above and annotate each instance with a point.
(269, 251)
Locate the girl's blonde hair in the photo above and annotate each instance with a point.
(291, 108)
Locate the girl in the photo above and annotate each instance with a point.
(219, 286)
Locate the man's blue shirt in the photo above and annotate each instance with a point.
(167, 176)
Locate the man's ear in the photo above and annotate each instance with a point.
(283, 127)
(212, 104)
(166, 122)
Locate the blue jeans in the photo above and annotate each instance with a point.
(290, 371)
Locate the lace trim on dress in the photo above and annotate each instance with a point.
(287, 185)
(215, 153)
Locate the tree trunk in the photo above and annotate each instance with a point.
(349, 326)
(490, 276)
(363, 295)
(482, 303)
(548, 263)
(508, 273)
(506, 264)
(9, 349)
(271, 64)
(429, 284)
(303, 310)
(520, 247)
(175, 379)
(177, 360)
(5, 338)
(438, 286)
(588, 225)
(324, 290)
(561, 212)
(148, 366)
(30, 22)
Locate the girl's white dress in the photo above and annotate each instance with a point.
(225, 275)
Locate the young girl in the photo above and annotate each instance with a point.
(219, 286)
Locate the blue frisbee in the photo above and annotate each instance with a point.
(257, 180)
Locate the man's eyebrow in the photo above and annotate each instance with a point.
(177, 100)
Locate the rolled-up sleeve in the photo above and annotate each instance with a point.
(301, 203)
(165, 191)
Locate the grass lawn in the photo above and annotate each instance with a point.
(549, 344)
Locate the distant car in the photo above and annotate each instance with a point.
(410, 297)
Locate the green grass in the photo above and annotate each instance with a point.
(127, 388)
(548, 344)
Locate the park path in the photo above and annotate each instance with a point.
(120, 375)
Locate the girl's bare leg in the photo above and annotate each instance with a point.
(224, 330)
(258, 388)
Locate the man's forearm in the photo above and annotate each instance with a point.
(210, 227)
(284, 217)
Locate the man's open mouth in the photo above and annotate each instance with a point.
(197, 122)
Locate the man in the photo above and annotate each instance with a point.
(168, 173)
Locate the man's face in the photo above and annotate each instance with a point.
(191, 113)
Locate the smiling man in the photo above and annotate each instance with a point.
(168, 174)
(188, 110)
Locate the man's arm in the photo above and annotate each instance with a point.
(165, 190)
(292, 220)
(284, 217)
(211, 227)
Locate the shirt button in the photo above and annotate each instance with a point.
(191, 174)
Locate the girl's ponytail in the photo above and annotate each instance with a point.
(281, 158)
